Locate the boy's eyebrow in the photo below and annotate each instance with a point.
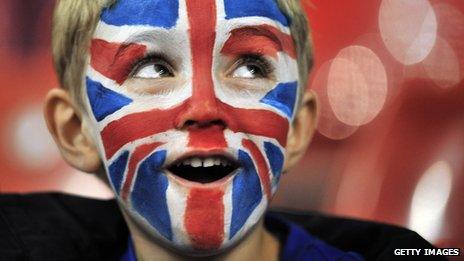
(282, 41)
(113, 60)
(134, 39)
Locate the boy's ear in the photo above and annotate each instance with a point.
(302, 130)
(69, 130)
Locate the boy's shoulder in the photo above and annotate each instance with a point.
(57, 226)
(370, 239)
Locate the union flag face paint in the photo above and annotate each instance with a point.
(191, 104)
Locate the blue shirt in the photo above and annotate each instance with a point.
(296, 244)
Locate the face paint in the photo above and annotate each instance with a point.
(192, 103)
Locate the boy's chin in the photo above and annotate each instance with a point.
(189, 250)
(185, 247)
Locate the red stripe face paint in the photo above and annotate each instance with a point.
(186, 154)
(144, 124)
(137, 126)
(215, 139)
(136, 157)
(261, 166)
(114, 60)
(204, 214)
(204, 219)
(263, 40)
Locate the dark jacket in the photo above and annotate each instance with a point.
(53, 226)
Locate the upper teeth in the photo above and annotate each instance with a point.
(204, 162)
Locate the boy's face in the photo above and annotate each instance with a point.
(191, 104)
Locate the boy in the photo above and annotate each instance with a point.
(191, 111)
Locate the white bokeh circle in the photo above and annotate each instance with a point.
(408, 29)
(357, 85)
(442, 65)
(328, 124)
(430, 199)
(31, 142)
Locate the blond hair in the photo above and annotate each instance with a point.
(74, 23)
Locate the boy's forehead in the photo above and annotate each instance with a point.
(162, 13)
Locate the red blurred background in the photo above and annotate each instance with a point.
(390, 142)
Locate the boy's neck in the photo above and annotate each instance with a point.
(260, 244)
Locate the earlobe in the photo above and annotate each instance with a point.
(68, 129)
(302, 130)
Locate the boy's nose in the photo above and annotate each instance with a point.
(201, 115)
(203, 110)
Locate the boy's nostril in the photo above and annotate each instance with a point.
(204, 124)
(189, 123)
(218, 122)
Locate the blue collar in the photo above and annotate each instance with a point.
(129, 255)
(298, 244)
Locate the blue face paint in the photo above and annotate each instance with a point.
(104, 101)
(116, 170)
(282, 97)
(149, 194)
(276, 160)
(159, 13)
(263, 8)
(246, 193)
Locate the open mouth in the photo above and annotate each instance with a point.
(203, 169)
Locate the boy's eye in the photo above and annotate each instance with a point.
(252, 67)
(248, 71)
(152, 70)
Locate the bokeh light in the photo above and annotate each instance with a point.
(442, 65)
(430, 199)
(30, 140)
(357, 85)
(448, 55)
(451, 26)
(408, 29)
(328, 125)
